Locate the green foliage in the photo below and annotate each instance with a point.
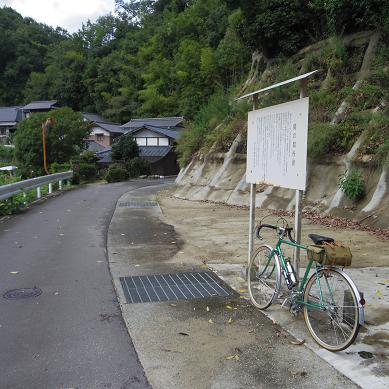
(64, 140)
(325, 139)
(138, 166)
(367, 96)
(206, 120)
(87, 171)
(24, 44)
(321, 138)
(352, 185)
(116, 173)
(15, 203)
(223, 136)
(6, 153)
(56, 167)
(124, 149)
(377, 141)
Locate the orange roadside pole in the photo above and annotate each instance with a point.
(45, 125)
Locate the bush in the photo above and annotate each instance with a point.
(87, 171)
(352, 185)
(116, 173)
(56, 167)
(6, 153)
(138, 166)
(124, 149)
(76, 178)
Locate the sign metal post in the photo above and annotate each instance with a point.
(253, 192)
(299, 192)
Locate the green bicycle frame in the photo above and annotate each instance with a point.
(302, 283)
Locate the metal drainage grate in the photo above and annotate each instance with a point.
(139, 204)
(172, 287)
(24, 293)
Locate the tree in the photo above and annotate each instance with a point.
(64, 139)
(124, 149)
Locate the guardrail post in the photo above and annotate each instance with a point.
(60, 184)
(38, 192)
(50, 188)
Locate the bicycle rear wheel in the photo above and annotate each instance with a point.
(332, 320)
(264, 277)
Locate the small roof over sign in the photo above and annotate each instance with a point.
(301, 77)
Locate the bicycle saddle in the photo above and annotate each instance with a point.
(319, 239)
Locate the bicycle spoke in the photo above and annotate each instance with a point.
(336, 325)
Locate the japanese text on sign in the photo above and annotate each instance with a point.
(277, 145)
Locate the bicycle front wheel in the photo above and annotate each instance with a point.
(331, 309)
(264, 277)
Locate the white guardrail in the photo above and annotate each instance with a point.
(9, 190)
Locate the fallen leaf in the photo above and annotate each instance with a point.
(173, 305)
(242, 290)
(251, 331)
(13, 272)
(210, 321)
(297, 342)
(230, 320)
(56, 293)
(365, 354)
(233, 357)
(229, 307)
(183, 334)
(207, 309)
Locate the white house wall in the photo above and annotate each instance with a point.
(98, 130)
(146, 134)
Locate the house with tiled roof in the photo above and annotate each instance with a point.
(39, 106)
(156, 138)
(9, 118)
(103, 131)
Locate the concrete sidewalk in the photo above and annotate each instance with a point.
(207, 343)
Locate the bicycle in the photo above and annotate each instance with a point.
(331, 303)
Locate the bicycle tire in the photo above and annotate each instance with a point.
(336, 325)
(264, 277)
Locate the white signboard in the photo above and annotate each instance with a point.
(277, 145)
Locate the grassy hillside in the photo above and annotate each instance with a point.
(348, 97)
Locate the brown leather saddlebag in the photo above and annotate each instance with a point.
(334, 254)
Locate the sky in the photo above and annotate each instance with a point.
(68, 14)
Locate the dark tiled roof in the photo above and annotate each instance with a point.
(170, 133)
(93, 117)
(150, 153)
(110, 127)
(10, 114)
(105, 151)
(157, 122)
(154, 151)
(37, 105)
(93, 146)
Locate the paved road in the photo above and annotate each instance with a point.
(71, 336)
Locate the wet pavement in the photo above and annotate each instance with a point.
(204, 343)
(71, 335)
